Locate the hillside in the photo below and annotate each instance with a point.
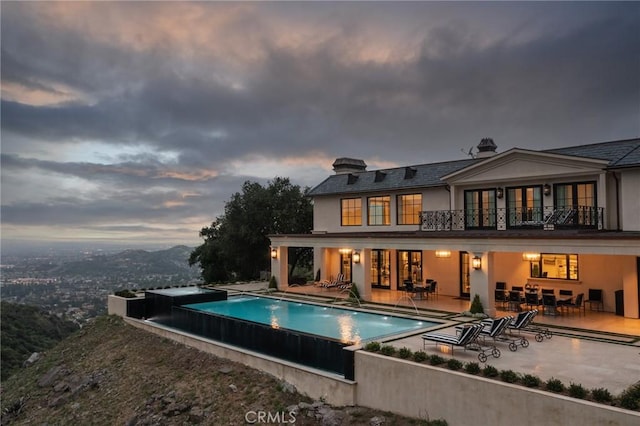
(25, 330)
(173, 261)
(110, 373)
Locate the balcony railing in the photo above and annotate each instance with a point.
(547, 218)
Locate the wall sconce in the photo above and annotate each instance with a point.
(500, 192)
(443, 253)
(476, 262)
(531, 257)
(356, 257)
(546, 189)
(274, 253)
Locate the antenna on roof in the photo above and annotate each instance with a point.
(470, 153)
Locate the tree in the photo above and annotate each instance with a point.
(237, 244)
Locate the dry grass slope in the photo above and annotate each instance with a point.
(110, 373)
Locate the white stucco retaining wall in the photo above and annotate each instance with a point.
(423, 391)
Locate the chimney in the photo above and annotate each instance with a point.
(348, 165)
(486, 148)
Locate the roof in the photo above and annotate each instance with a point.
(619, 154)
(419, 176)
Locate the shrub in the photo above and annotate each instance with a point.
(354, 294)
(554, 385)
(405, 353)
(273, 282)
(601, 395)
(387, 350)
(125, 293)
(630, 398)
(472, 368)
(577, 391)
(476, 305)
(437, 422)
(509, 376)
(490, 371)
(372, 347)
(530, 381)
(436, 360)
(420, 356)
(454, 364)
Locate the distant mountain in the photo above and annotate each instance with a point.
(173, 261)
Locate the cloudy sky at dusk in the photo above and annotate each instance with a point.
(135, 122)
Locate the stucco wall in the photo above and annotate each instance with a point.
(423, 391)
(630, 200)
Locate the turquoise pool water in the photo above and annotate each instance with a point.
(336, 323)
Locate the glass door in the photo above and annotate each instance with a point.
(409, 266)
(465, 283)
(380, 269)
(345, 266)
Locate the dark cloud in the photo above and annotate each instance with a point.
(389, 81)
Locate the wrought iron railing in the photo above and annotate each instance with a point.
(547, 218)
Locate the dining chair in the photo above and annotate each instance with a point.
(595, 298)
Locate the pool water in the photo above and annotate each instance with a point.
(345, 325)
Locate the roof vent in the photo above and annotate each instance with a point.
(409, 172)
(486, 148)
(348, 165)
(379, 176)
(351, 179)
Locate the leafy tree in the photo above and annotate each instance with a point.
(236, 245)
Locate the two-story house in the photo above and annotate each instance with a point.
(566, 218)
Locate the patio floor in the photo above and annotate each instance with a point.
(598, 349)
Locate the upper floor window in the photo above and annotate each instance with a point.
(380, 210)
(480, 208)
(525, 206)
(351, 212)
(577, 203)
(556, 265)
(409, 207)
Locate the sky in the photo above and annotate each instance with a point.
(134, 122)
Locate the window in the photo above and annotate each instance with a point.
(525, 206)
(555, 266)
(380, 268)
(409, 207)
(379, 210)
(480, 208)
(351, 212)
(577, 202)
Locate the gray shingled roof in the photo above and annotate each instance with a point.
(619, 153)
(425, 175)
(625, 153)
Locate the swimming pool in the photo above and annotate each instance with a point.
(345, 325)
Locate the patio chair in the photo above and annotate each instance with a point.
(577, 304)
(595, 298)
(410, 289)
(524, 323)
(339, 280)
(532, 300)
(493, 328)
(466, 337)
(549, 304)
(498, 329)
(565, 297)
(515, 300)
(432, 287)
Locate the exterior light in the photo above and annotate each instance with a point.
(476, 262)
(274, 253)
(356, 257)
(500, 192)
(345, 250)
(531, 257)
(443, 253)
(546, 189)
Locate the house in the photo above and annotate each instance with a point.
(564, 219)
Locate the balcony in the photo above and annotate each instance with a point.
(546, 218)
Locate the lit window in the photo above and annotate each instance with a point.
(351, 212)
(409, 207)
(556, 266)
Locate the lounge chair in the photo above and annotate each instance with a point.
(338, 281)
(524, 323)
(466, 338)
(494, 328)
